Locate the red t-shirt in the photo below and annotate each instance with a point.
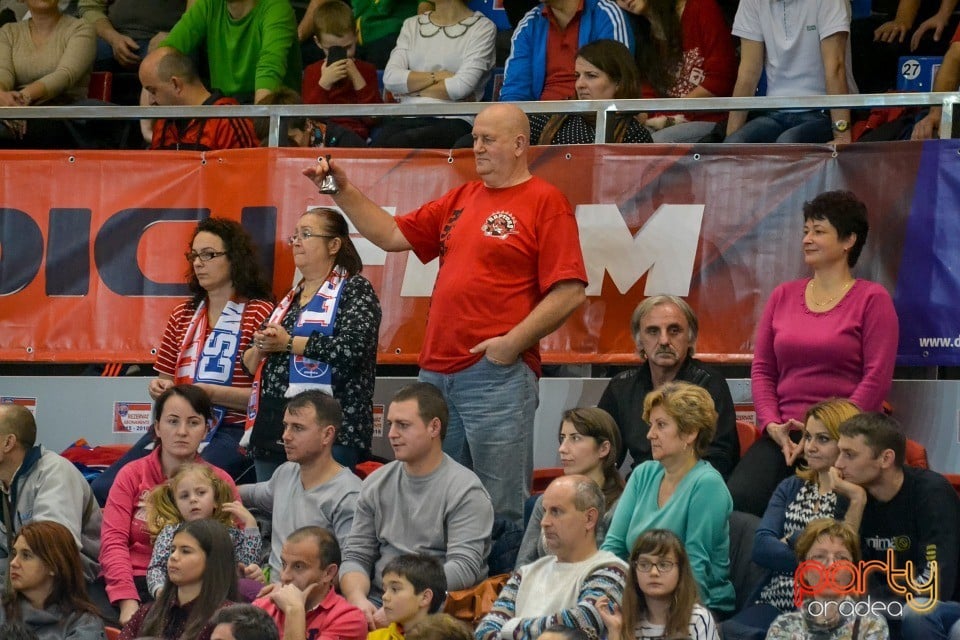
(333, 618)
(562, 46)
(501, 250)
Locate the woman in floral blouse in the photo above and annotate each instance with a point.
(322, 335)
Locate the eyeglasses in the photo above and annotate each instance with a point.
(827, 559)
(205, 256)
(306, 235)
(644, 566)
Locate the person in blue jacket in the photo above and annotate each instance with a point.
(551, 32)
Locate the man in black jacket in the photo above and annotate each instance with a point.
(665, 331)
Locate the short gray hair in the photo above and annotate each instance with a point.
(588, 495)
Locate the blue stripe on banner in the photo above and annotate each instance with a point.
(927, 296)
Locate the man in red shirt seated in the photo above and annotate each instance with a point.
(305, 604)
(170, 78)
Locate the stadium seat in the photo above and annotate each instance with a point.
(916, 455)
(747, 434)
(543, 477)
(745, 575)
(101, 86)
(364, 469)
(954, 480)
(491, 90)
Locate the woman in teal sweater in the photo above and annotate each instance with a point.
(679, 491)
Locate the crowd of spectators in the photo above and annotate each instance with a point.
(376, 558)
(431, 53)
(294, 382)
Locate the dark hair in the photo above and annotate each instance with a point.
(690, 406)
(660, 542)
(430, 403)
(881, 432)
(248, 622)
(423, 572)
(328, 549)
(335, 18)
(658, 58)
(846, 213)
(348, 257)
(596, 423)
(282, 95)
(248, 281)
(326, 406)
(615, 60)
(219, 581)
(176, 64)
(197, 397)
(53, 544)
(570, 633)
(18, 420)
(439, 626)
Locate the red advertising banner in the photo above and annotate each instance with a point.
(92, 243)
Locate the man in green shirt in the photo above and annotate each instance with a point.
(251, 45)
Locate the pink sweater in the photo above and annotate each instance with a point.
(125, 545)
(802, 357)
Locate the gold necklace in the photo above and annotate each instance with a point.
(843, 290)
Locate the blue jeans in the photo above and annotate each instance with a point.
(104, 60)
(942, 623)
(785, 126)
(491, 428)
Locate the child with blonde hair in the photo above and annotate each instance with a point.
(195, 492)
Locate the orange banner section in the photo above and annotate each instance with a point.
(92, 243)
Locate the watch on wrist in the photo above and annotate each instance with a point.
(840, 126)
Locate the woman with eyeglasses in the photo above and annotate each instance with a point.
(230, 300)
(680, 491)
(828, 614)
(322, 335)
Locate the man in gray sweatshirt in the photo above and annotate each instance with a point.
(422, 503)
(311, 488)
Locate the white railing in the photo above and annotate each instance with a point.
(600, 108)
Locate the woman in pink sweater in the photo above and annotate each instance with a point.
(830, 335)
(183, 415)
